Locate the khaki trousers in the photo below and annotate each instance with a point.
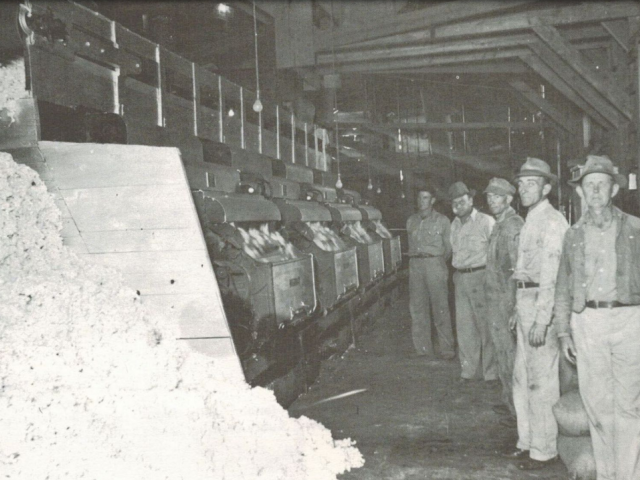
(536, 384)
(429, 292)
(500, 310)
(608, 351)
(475, 348)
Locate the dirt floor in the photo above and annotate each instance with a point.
(416, 420)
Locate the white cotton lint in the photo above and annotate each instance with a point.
(93, 386)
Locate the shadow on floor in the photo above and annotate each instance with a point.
(415, 420)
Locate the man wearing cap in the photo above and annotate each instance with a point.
(429, 249)
(500, 287)
(598, 318)
(470, 232)
(535, 373)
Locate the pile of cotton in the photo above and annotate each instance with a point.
(94, 386)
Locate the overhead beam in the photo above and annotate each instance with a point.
(549, 14)
(563, 86)
(445, 126)
(426, 18)
(438, 60)
(425, 61)
(506, 66)
(608, 90)
(460, 46)
(531, 98)
(421, 37)
(619, 30)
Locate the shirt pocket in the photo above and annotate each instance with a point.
(474, 243)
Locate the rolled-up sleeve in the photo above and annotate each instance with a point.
(563, 297)
(549, 265)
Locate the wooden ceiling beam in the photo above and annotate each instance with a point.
(395, 64)
(446, 126)
(530, 98)
(571, 32)
(555, 16)
(426, 18)
(506, 67)
(549, 14)
(424, 50)
(571, 56)
(619, 30)
(562, 85)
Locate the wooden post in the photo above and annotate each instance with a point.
(278, 155)
(221, 110)
(242, 140)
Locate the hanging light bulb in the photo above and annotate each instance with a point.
(402, 195)
(370, 184)
(257, 105)
(339, 182)
(379, 190)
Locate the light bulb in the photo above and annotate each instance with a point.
(370, 185)
(231, 113)
(257, 105)
(402, 195)
(379, 190)
(339, 182)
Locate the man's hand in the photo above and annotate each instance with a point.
(537, 335)
(568, 349)
(513, 322)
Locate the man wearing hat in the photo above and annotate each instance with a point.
(470, 232)
(500, 287)
(535, 374)
(429, 250)
(598, 318)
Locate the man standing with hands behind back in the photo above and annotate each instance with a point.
(598, 295)
(429, 249)
(536, 386)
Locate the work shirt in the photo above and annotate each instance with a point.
(600, 262)
(572, 287)
(539, 253)
(503, 253)
(471, 239)
(429, 235)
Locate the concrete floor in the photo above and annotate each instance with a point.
(416, 420)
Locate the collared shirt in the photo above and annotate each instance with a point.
(503, 253)
(571, 289)
(539, 253)
(429, 234)
(600, 262)
(471, 239)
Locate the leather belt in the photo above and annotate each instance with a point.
(469, 270)
(521, 284)
(614, 304)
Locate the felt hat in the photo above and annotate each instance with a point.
(500, 186)
(599, 164)
(459, 189)
(534, 167)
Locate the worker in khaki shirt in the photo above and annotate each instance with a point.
(501, 288)
(429, 249)
(470, 232)
(597, 307)
(535, 376)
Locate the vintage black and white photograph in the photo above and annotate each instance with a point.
(319, 240)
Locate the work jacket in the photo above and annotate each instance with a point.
(571, 286)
